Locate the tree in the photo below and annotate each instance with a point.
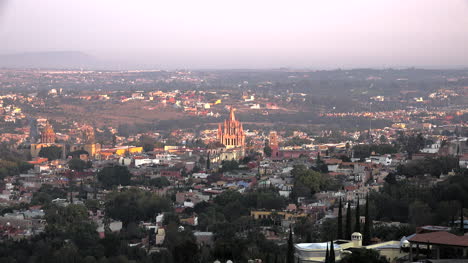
(383, 139)
(51, 152)
(367, 224)
(267, 150)
(419, 213)
(313, 180)
(46, 194)
(332, 252)
(340, 221)
(290, 252)
(135, 205)
(78, 164)
(357, 224)
(147, 142)
(229, 165)
(348, 230)
(159, 182)
(296, 141)
(327, 255)
(208, 162)
(72, 222)
(114, 175)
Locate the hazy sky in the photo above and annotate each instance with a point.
(244, 33)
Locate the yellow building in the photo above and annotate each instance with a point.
(259, 214)
(399, 125)
(119, 151)
(88, 142)
(91, 148)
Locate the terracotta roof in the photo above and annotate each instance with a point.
(442, 238)
(332, 161)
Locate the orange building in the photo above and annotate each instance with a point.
(231, 132)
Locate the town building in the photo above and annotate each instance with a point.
(48, 138)
(315, 252)
(231, 132)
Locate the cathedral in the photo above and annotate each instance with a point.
(230, 133)
(230, 140)
(87, 142)
(48, 139)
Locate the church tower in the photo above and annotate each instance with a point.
(231, 132)
(274, 143)
(48, 134)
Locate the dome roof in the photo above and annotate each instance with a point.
(48, 128)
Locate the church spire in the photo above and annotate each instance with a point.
(231, 132)
(232, 117)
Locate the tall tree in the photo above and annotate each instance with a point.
(332, 252)
(290, 252)
(340, 221)
(357, 224)
(327, 255)
(367, 224)
(267, 149)
(348, 230)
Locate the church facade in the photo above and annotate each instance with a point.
(230, 140)
(231, 133)
(47, 140)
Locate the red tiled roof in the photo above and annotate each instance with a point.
(442, 238)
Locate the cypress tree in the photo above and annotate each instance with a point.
(290, 253)
(208, 162)
(332, 252)
(348, 222)
(327, 258)
(340, 222)
(367, 224)
(357, 224)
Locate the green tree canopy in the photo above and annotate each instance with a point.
(135, 205)
(51, 152)
(72, 222)
(78, 164)
(46, 194)
(114, 175)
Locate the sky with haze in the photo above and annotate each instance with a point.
(244, 33)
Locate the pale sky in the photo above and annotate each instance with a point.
(244, 33)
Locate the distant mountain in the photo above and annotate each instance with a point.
(58, 60)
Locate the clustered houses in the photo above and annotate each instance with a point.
(194, 163)
(181, 165)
